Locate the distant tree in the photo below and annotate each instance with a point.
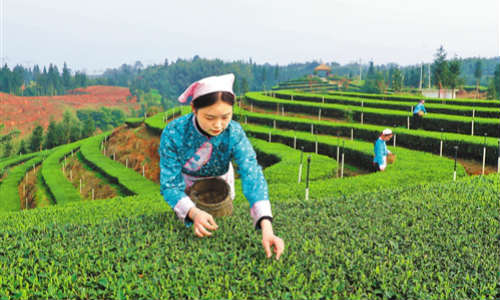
(22, 147)
(36, 139)
(478, 72)
(7, 147)
(66, 78)
(454, 73)
(440, 68)
(397, 80)
(494, 86)
(52, 135)
(88, 128)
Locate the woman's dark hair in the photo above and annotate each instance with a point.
(212, 98)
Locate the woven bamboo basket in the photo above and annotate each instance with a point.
(213, 196)
(391, 158)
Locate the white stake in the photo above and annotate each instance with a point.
(338, 162)
(282, 110)
(269, 139)
(291, 98)
(394, 141)
(126, 163)
(274, 124)
(319, 114)
(323, 99)
(472, 128)
(342, 167)
(316, 146)
(142, 171)
(352, 134)
(441, 148)
(246, 121)
(362, 118)
(484, 160)
(408, 122)
(114, 155)
(312, 128)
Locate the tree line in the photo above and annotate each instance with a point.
(34, 81)
(69, 129)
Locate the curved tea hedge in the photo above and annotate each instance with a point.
(431, 241)
(470, 147)
(131, 182)
(449, 109)
(411, 167)
(10, 199)
(414, 99)
(435, 122)
(60, 188)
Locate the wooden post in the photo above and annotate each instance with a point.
(126, 163)
(80, 185)
(282, 110)
(352, 134)
(274, 124)
(142, 171)
(319, 114)
(92, 194)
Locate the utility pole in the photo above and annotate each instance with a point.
(429, 76)
(360, 69)
(421, 71)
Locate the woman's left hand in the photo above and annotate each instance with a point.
(269, 239)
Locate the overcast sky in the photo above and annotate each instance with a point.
(93, 35)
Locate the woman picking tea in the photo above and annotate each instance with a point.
(201, 145)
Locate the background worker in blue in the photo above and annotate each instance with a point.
(381, 151)
(202, 145)
(418, 114)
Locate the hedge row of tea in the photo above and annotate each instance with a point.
(432, 241)
(433, 122)
(415, 99)
(434, 108)
(412, 167)
(469, 147)
(10, 200)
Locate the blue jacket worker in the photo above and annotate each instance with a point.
(202, 145)
(418, 113)
(381, 151)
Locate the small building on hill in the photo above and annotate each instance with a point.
(322, 69)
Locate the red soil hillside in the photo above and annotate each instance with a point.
(24, 112)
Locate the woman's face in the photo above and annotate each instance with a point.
(215, 118)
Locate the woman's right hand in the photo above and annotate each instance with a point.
(203, 222)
